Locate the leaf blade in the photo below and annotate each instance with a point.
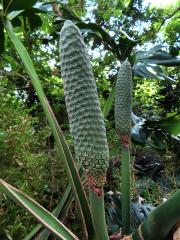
(59, 210)
(40, 213)
(17, 5)
(109, 102)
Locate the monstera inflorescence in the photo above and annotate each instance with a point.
(83, 107)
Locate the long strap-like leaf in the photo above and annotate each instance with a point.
(40, 213)
(58, 212)
(109, 102)
(62, 148)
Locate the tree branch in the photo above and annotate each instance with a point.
(168, 17)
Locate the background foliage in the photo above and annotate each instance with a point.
(113, 30)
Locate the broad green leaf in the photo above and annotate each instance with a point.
(171, 125)
(59, 212)
(126, 45)
(166, 214)
(106, 38)
(147, 62)
(42, 7)
(157, 130)
(103, 35)
(62, 147)
(149, 71)
(40, 213)
(36, 8)
(158, 55)
(14, 5)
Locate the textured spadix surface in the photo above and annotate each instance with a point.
(83, 107)
(123, 92)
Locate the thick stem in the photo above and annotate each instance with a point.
(161, 220)
(125, 189)
(98, 215)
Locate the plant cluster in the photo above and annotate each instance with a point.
(87, 164)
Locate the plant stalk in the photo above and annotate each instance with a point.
(125, 189)
(98, 215)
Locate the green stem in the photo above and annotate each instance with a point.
(161, 220)
(125, 189)
(98, 215)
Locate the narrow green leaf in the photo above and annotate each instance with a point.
(114, 149)
(33, 232)
(172, 61)
(58, 212)
(40, 213)
(62, 147)
(14, 14)
(109, 102)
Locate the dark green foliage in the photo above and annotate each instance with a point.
(139, 212)
(15, 5)
(25, 163)
(110, 29)
(34, 21)
(160, 221)
(1, 37)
